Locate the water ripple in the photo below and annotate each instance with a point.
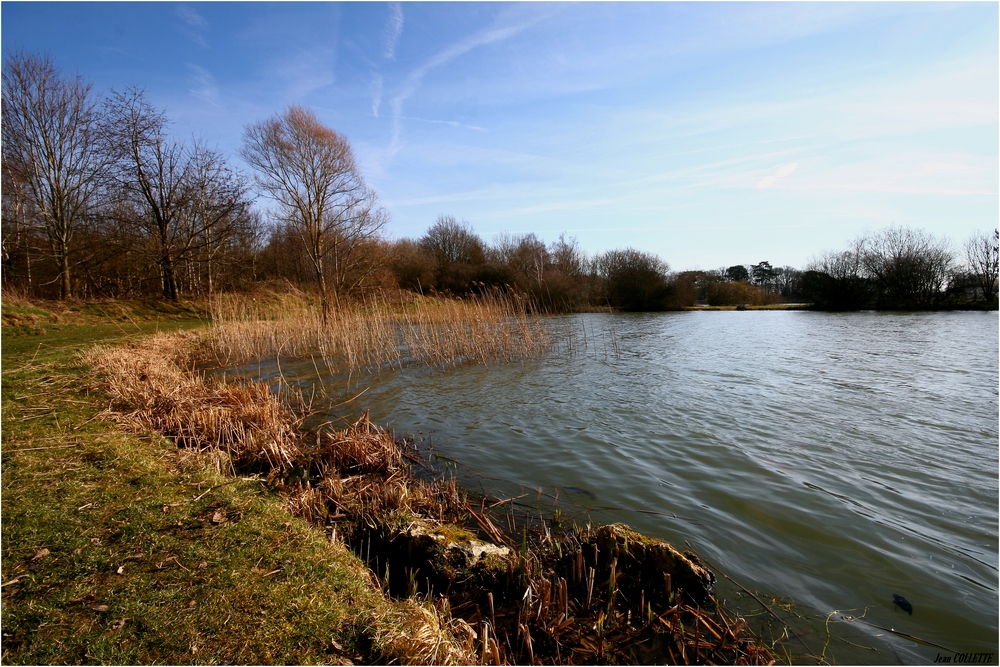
(834, 459)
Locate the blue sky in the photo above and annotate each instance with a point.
(710, 133)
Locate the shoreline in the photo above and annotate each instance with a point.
(463, 558)
(450, 632)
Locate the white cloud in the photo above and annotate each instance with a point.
(195, 23)
(768, 181)
(303, 73)
(393, 29)
(376, 90)
(203, 85)
(412, 83)
(452, 123)
(918, 172)
(786, 170)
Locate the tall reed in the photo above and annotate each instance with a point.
(380, 333)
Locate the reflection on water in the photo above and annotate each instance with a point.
(833, 459)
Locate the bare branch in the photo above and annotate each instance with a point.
(308, 169)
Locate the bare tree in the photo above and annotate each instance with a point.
(908, 267)
(412, 265)
(50, 126)
(152, 171)
(453, 242)
(16, 234)
(355, 254)
(567, 257)
(982, 251)
(634, 280)
(216, 209)
(459, 254)
(525, 255)
(308, 169)
(187, 199)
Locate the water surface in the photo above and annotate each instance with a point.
(833, 460)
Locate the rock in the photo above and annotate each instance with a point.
(457, 546)
(445, 556)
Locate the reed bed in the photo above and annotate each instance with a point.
(380, 333)
(585, 600)
(150, 390)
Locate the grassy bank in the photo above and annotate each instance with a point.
(121, 548)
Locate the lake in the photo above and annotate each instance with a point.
(824, 461)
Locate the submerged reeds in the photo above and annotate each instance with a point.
(380, 333)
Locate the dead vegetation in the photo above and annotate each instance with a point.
(387, 331)
(150, 390)
(582, 595)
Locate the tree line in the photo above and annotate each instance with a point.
(899, 268)
(893, 268)
(100, 200)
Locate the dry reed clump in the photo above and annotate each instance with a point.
(362, 448)
(359, 473)
(424, 635)
(612, 596)
(151, 391)
(378, 334)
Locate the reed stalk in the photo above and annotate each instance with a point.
(380, 333)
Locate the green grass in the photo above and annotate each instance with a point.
(120, 548)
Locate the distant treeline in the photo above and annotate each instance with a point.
(894, 268)
(100, 201)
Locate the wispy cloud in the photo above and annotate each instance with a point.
(768, 181)
(203, 84)
(376, 90)
(393, 29)
(452, 123)
(412, 83)
(305, 72)
(915, 172)
(195, 25)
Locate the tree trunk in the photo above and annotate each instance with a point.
(169, 281)
(209, 276)
(322, 294)
(67, 286)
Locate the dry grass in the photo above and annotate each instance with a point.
(150, 390)
(419, 640)
(380, 333)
